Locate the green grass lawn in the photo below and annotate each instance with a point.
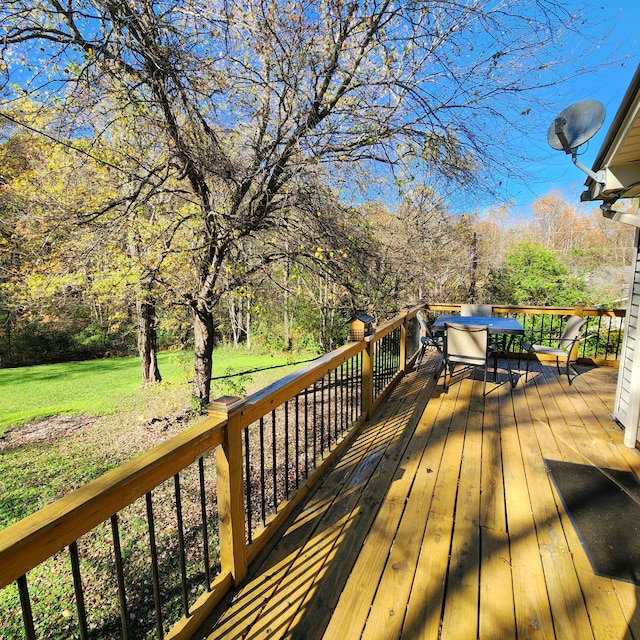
(34, 474)
(118, 420)
(104, 387)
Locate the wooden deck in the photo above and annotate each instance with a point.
(441, 521)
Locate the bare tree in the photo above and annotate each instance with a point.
(241, 101)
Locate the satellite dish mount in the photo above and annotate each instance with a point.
(576, 125)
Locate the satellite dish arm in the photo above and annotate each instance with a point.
(559, 124)
(596, 177)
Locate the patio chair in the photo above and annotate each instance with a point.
(570, 335)
(427, 339)
(476, 310)
(467, 344)
(485, 310)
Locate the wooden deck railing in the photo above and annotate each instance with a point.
(602, 334)
(181, 523)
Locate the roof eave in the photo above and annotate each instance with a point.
(629, 108)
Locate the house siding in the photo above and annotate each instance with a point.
(627, 403)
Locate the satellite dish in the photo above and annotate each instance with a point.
(576, 125)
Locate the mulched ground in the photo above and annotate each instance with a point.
(48, 430)
(45, 430)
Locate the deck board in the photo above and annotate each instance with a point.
(441, 521)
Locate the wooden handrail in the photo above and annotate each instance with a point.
(260, 403)
(587, 311)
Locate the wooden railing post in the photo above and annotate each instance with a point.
(230, 487)
(367, 378)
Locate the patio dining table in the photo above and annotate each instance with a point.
(506, 327)
(496, 325)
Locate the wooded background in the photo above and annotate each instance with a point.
(179, 173)
(73, 286)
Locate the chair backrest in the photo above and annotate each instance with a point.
(476, 310)
(571, 331)
(466, 343)
(424, 325)
(422, 320)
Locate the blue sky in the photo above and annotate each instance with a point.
(614, 62)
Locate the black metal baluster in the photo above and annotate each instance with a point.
(390, 347)
(306, 432)
(274, 465)
(386, 343)
(381, 352)
(353, 392)
(329, 389)
(248, 484)
(181, 548)
(337, 411)
(155, 573)
(262, 478)
(205, 529)
(297, 441)
(600, 339)
(122, 593)
(343, 405)
(322, 443)
(392, 357)
(286, 449)
(377, 370)
(345, 389)
(619, 334)
(386, 354)
(344, 395)
(357, 379)
(380, 365)
(77, 589)
(25, 603)
(315, 422)
(395, 356)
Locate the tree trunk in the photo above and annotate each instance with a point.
(288, 340)
(474, 268)
(203, 335)
(235, 322)
(248, 327)
(148, 341)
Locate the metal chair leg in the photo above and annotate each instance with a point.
(569, 372)
(513, 384)
(437, 370)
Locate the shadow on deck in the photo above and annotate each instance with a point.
(441, 521)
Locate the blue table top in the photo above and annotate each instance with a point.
(495, 324)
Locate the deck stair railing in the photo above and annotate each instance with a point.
(150, 548)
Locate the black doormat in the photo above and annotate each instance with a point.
(604, 505)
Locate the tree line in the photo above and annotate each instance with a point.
(198, 161)
(73, 285)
